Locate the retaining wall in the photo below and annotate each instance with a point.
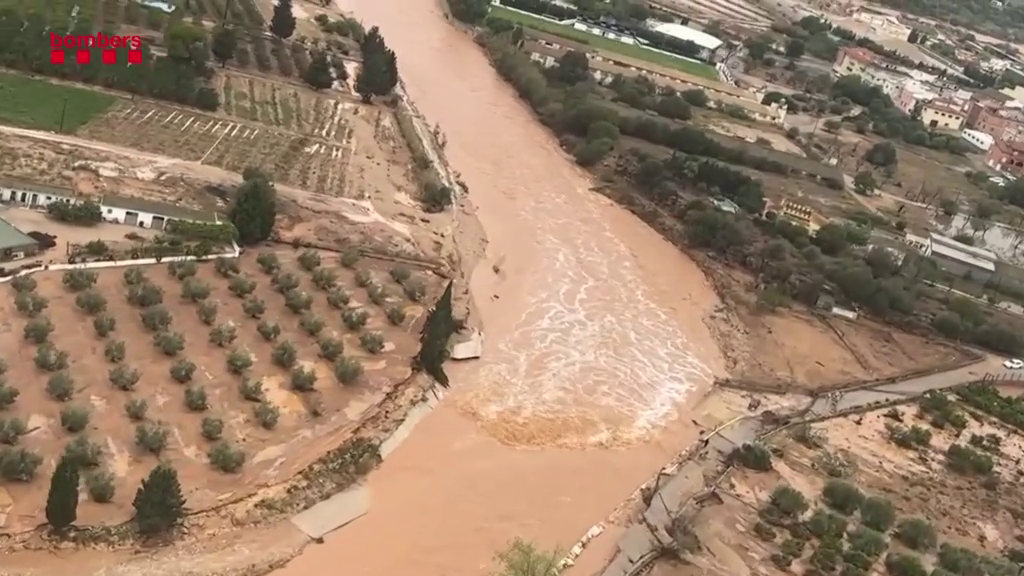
(233, 253)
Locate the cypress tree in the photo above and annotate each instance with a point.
(282, 23)
(255, 208)
(62, 500)
(159, 503)
(434, 336)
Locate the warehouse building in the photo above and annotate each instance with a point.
(962, 260)
(15, 244)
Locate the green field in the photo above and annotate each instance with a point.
(599, 42)
(37, 104)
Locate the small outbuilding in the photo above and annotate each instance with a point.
(15, 244)
(148, 213)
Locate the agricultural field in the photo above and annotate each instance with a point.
(38, 104)
(735, 12)
(601, 43)
(239, 372)
(926, 488)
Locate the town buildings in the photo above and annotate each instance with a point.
(943, 114)
(884, 24)
(1006, 156)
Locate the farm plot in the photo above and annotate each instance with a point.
(906, 491)
(308, 161)
(239, 372)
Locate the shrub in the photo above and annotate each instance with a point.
(136, 409)
(754, 456)
(212, 428)
(226, 267)
(133, 276)
(285, 281)
(226, 457)
(787, 502)
(350, 258)
(400, 273)
(347, 370)
(377, 294)
(338, 298)
(182, 270)
(195, 399)
(824, 523)
(909, 438)
(916, 534)
(170, 343)
(124, 377)
(309, 260)
(372, 342)
(268, 262)
(151, 437)
(207, 313)
(195, 290)
(806, 435)
(842, 497)
(11, 430)
(100, 486)
(104, 325)
(764, 532)
(311, 324)
(251, 390)
(91, 302)
(330, 348)
(30, 304)
(38, 330)
(50, 358)
(241, 286)
(415, 290)
(877, 513)
(60, 387)
(84, 452)
(182, 370)
(302, 379)
(254, 307)
(363, 278)
(114, 351)
(239, 361)
(268, 330)
(396, 315)
(156, 318)
(298, 301)
(966, 460)
(324, 279)
(868, 542)
(354, 318)
(8, 395)
(145, 295)
(18, 464)
(23, 284)
(78, 280)
(285, 355)
(900, 564)
(74, 419)
(267, 415)
(223, 335)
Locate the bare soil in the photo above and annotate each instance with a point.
(917, 482)
(272, 456)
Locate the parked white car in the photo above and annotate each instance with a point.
(1014, 364)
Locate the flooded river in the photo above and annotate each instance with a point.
(595, 342)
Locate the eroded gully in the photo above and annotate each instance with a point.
(595, 342)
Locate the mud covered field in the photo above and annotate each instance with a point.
(310, 316)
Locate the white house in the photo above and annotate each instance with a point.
(978, 139)
(147, 213)
(14, 191)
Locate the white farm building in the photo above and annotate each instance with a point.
(707, 43)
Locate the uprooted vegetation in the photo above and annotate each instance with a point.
(240, 372)
(924, 488)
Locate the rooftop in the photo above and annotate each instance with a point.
(11, 237)
(944, 106)
(158, 208)
(961, 256)
(27, 186)
(702, 39)
(862, 55)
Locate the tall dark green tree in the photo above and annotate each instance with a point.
(255, 208)
(434, 336)
(224, 43)
(159, 503)
(62, 500)
(469, 11)
(378, 75)
(282, 23)
(318, 75)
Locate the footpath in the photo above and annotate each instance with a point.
(706, 463)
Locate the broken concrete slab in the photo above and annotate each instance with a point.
(470, 348)
(333, 513)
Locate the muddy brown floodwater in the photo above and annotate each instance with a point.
(595, 344)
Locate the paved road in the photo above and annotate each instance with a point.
(642, 540)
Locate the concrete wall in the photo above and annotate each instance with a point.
(141, 219)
